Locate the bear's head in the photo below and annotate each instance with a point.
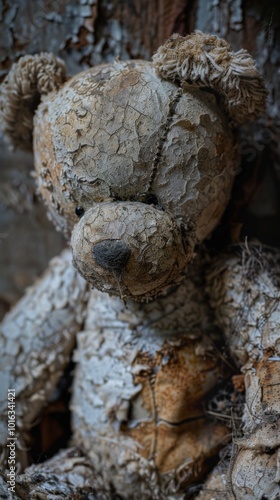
(135, 160)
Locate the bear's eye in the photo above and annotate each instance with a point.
(79, 211)
(151, 199)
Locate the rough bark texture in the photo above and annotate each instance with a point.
(254, 26)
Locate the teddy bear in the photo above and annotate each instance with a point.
(135, 162)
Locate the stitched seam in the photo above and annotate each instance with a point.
(156, 160)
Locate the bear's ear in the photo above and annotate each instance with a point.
(208, 61)
(20, 94)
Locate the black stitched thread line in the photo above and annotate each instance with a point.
(172, 105)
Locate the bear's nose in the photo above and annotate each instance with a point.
(112, 255)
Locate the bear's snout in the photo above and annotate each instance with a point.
(130, 249)
(111, 254)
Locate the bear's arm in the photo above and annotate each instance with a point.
(37, 337)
